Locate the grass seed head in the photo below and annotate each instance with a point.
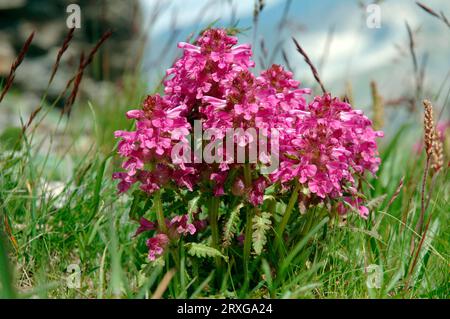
(429, 128)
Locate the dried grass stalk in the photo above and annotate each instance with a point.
(437, 161)
(61, 51)
(377, 106)
(440, 16)
(349, 92)
(71, 100)
(79, 75)
(311, 65)
(15, 65)
(429, 129)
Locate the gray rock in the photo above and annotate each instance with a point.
(7, 55)
(12, 4)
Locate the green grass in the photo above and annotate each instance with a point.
(88, 224)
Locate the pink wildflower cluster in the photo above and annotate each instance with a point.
(158, 127)
(331, 143)
(323, 145)
(176, 227)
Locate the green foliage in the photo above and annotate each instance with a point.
(193, 206)
(6, 281)
(88, 224)
(140, 204)
(11, 138)
(231, 225)
(261, 224)
(203, 251)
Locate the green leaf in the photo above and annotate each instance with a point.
(6, 277)
(299, 246)
(230, 227)
(11, 138)
(203, 251)
(136, 210)
(261, 223)
(193, 207)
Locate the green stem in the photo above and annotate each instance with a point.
(6, 277)
(248, 243)
(288, 211)
(175, 254)
(157, 206)
(213, 222)
(248, 227)
(247, 175)
(310, 217)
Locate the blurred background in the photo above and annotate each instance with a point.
(340, 37)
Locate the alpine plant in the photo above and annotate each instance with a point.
(324, 146)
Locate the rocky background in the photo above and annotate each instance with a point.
(18, 18)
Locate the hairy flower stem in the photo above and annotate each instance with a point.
(247, 175)
(422, 202)
(175, 255)
(419, 225)
(288, 211)
(248, 226)
(248, 243)
(213, 221)
(157, 206)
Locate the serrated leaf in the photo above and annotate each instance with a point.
(261, 223)
(203, 251)
(269, 197)
(192, 207)
(230, 227)
(280, 208)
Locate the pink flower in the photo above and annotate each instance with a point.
(180, 223)
(329, 143)
(206, 67)
(178, 226)
(145, 225)
(159, 127)
(156, 246)
(325, 145)
(238, 188)
(356, 203)
(256, 195)
(219, 181)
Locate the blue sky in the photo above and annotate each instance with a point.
(357, 53)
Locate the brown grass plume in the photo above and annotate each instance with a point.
(377, 106)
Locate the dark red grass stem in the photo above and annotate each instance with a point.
(61, 51)
(15, 65)
(79, 75)
(396, 193)
(440, 16)
(311, 65)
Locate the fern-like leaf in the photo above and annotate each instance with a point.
(230, 227)
(203, 251)
(261, 223)
(193, 207)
